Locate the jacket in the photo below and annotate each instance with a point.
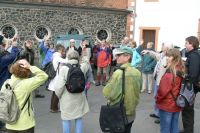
(47, 52)
(22, 90)
(58, 61)
(136, 59)
(103, 57)
(164, 99)
(72, 105)
(160, 67)
(5, 61)
(193, 67)
(148, 64)
(113, 89)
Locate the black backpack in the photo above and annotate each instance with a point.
(75, 79)
(49, 70)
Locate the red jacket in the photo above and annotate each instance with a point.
(164, 99)
(103, 58)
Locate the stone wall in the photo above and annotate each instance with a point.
(59, 19)
(118, 4)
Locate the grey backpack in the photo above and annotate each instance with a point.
(9, 109)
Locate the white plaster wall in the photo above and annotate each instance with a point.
(177, 19)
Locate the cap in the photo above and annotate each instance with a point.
(123, 50)
(71, 40)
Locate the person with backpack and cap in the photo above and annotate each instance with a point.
(77, 105)
(113, 89)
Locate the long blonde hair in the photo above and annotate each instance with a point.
(177, 63)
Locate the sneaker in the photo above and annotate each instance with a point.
(157, 121)
(142, 91)
(39, 96)
(104, 83)
(54, 111)
(97, 84)
(154, 116)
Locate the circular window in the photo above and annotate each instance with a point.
(9, 31)
(41, 31)
(102, 35)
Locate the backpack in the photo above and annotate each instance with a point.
(9, 109)
(75, 79)
(186, 95)
(50, 71)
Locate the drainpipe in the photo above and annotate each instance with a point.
(134, 17)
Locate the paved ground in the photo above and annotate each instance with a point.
(51, 123)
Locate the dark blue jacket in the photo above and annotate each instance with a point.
(5, 61)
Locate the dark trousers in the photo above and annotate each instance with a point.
(54, 102)
(31, 130)
(188, 119)
(128, 128)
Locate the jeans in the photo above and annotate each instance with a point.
(169, 122)
(1, 124)
(156, 110)
(78, 126)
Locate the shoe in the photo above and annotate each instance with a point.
(104, 83)
(154, 116)
(142, 91)
(181, 131)
(54, 111)
(157, 121)
(97, 84)
(149, 92)
(39, 96)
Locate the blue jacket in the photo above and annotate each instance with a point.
(5, 61)
(136, 59)
(148, 64)
(47, 52)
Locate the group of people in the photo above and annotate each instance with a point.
(145, 69)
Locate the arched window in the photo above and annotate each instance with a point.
(73, 31)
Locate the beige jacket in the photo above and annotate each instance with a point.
(72, 105)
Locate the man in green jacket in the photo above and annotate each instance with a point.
(113, 90)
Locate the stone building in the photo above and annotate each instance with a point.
(32, 19)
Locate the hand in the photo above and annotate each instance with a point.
(24, 63)
(87, 86)
(144, 52)
(46, 38)
(142, 42)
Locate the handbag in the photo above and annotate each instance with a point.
(113, 117)
(186, 95)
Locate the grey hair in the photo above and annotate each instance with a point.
(72, 54)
